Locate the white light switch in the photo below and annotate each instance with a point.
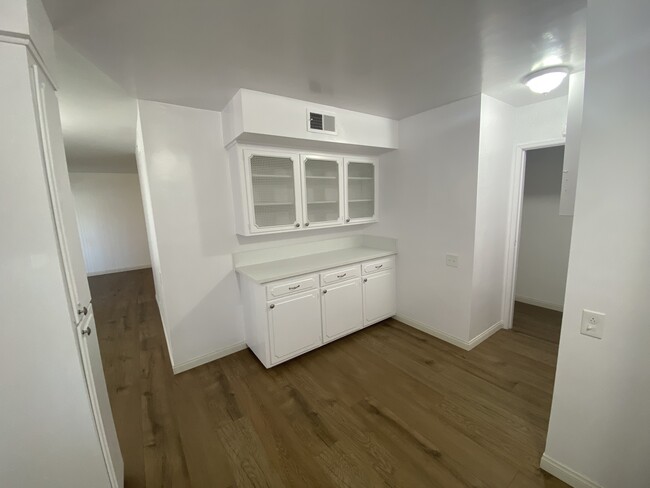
(452, 260)
(593, 324)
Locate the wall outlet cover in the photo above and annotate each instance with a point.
(592, 324)
(452, 260)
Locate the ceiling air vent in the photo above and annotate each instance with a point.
(321, 122)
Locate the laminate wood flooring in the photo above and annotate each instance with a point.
(388, 406)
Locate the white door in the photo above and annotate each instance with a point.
(273, 186)
(94, 372)
(342, 309)
(379, 300)
(361, 190)
(322, 191)
(65, 217)
(295, 325)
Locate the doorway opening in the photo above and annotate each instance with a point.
(542, 242)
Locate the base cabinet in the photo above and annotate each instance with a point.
(294, 325)
(342, 309)
(379, 296)
(289, 317)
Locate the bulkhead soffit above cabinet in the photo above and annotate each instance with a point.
(260, 118)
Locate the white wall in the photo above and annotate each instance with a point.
(545, 235)
(492, 201)
(111, 221)
(428, 189)
(186, 187)
(600, 416)
(447, 190)
(543, 121)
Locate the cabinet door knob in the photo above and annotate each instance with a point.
(347, 220)
(324, 291)
(87, 331)
(365, 280)
(272, 306)
(82, 311)
(297, 224)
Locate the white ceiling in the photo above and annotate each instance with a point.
(98, 117)
(387, 57)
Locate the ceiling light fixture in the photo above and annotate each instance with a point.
(547, 79)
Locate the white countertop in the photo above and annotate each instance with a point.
(311, 263)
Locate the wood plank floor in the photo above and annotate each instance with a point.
(388, 406)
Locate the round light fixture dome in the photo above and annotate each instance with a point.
(546, 80)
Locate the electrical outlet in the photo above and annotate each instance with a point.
(593, 324)
(452, 260)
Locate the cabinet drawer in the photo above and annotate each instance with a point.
(293, 285)
(340, 274)
(378, 265)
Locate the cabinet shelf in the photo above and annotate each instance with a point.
(360, 178)
(364, 200)
(273, 176)
(322, 202)
(274, 204)
(321, 177)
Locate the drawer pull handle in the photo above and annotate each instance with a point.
(341, 276)
(294, 287)
(378, 266)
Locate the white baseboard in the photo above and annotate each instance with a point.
(206, 358)
(118, 270)
(494, 328)
(463, 344)
(566, 474)
(540, 303)
(431, 331)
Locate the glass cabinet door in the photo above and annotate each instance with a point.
(274, 191)
(361, 185)
(322, 191)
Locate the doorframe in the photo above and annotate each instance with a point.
(514, 221)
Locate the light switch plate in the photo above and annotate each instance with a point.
(452, 260)
(593, 324)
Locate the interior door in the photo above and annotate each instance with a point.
(322, 190)
(342, 309)
(273, 191)
(379, 296)
(94, 372)
(295, 325)
(361, 190)
(65, 217)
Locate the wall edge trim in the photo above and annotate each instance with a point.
(119, 270)
(540, 303)
(206, 358)
(443, 336)
(433, 332)
(493, 329)
(565, 473)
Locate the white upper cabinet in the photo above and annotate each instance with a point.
(283, 191)
(322, 190)
(361, 190)
(273, 189)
